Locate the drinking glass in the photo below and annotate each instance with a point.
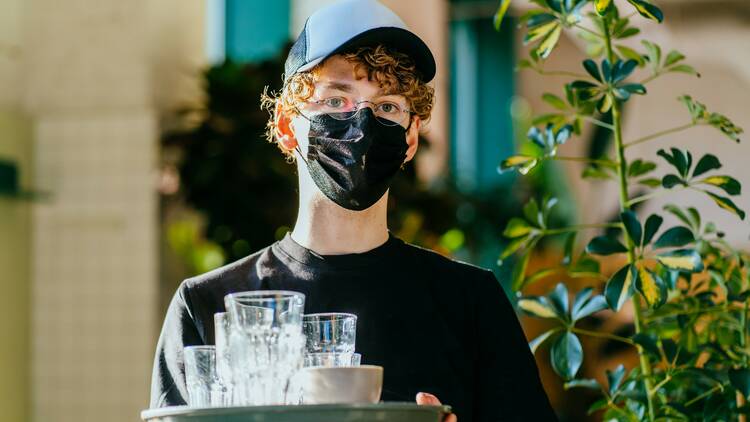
(266, 309)
(266, 344)
(223, 359)
(200, 375)
(330, 332)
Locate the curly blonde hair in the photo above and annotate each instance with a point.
(395, 73)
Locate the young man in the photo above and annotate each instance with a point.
(353, 101)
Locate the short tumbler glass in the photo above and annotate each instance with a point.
(203, 385)
(330, 332)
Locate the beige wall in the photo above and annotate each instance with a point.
(94, 78)
(716, 44)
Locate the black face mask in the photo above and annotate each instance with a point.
(353, 161)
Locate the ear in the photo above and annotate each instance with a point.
(284, 132)
(412, 137)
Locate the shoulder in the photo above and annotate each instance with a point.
(214, 284)
(478, 285)
(431, 260)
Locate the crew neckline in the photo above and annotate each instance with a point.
(299, 253)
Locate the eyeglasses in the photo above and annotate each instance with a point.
(344, 106)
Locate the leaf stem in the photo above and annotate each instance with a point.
(650, 78)
(659, 134)
(705, 394)
(561, 73)
(590, 31)
(602, 335)
(582, 160)
(651, 195)
(596, 121)
(660, 384)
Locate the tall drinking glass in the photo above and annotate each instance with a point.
(266, 344)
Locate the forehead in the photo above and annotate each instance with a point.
(340, 74)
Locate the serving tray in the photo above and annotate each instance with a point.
(391, 412)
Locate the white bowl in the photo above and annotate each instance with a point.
(329, 385)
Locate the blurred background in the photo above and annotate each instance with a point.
(132, 156)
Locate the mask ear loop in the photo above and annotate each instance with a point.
(296, 147)
(403, 165)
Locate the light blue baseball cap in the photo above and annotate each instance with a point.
(349, 24)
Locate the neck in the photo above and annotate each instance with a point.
(328, 229)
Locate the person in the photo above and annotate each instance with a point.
(354, 97)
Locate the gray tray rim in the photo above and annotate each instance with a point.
(215, 411)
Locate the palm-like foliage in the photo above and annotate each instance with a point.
(687, 287)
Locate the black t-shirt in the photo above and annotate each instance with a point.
(434, 324)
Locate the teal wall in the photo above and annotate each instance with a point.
(256, 29)
(482, 89)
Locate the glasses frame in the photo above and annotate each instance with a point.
(359, 108)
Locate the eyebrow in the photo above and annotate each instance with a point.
(345, 87)
(340, 86)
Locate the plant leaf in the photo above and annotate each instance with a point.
(582, 383)
(619, 287)
(605, 245)
(671, 180)
(559, 299)
(726, 183)
(673, 57)
(602, 6)
(681, 259)
(523, 163)
(517, 227)
(592, 69)
(554, 101)
(632, 226)
(566, 355)
(727, 204)
(650, 182)
(540, 340)
(651, 287)
(653, 222)
(707, 163)
(500, 13)
(570, 242)
(538, 306)
(593, 305)
(614, 378)
(639, 167)
(629, 53)
(647, 10)
(677, 212)
(685, 68)
(675, 237)
(548, 44)
(512, 247)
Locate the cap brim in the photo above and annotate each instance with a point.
(397, 38)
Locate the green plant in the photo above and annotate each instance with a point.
(688, 288)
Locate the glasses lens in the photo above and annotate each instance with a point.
(342, 105)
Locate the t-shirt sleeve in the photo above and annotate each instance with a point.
(179, 330)
(509, 387)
